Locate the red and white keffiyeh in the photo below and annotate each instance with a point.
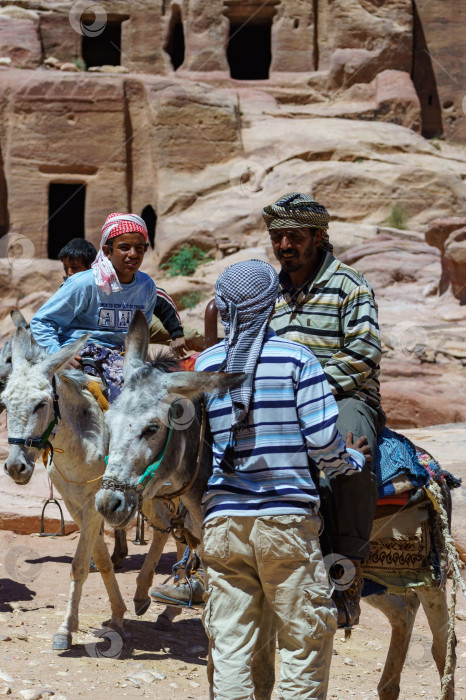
(115, 225)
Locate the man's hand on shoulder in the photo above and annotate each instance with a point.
(361, 445)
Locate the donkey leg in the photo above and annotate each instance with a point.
(146, 575)
(434, 602)
(180, 550)
(210, 673)
(401, 613)
(79, 571)
(105, 566)
(120, 550)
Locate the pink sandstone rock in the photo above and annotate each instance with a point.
(19, 39)
(454, 262)
(439, 230)
(397, 100)
(449, 236)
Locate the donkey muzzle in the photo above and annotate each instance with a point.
(18, 467)
(117, 507)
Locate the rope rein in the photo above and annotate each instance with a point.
(189, 484)
(435, 494)
(179, 515)
(43, 443)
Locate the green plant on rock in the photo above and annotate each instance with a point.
(186, 261)
(79, 63)
(397, 217)
(190, 300)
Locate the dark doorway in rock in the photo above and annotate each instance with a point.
(150, 217)
(104, 48)
(174, 45)
(66, 215)
(249, 50)
(423, 77)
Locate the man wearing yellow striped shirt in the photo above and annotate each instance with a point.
(330, 308)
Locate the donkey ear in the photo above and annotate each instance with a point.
(20, 347)
(18, 319)
(136, 344)
(59, 359)
(194, 384)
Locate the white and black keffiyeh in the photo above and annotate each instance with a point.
(245, 296)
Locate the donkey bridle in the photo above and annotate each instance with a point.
(43, 442)
(113, 485)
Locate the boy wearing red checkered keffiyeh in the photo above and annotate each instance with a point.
(102, 301)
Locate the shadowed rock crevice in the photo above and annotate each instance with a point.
(4, 218)
(425, 82)
(175, 44)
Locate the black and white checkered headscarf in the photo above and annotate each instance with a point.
(245, 296)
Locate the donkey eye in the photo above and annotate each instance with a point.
(150, 430)
(40, 405)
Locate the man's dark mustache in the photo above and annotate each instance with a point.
(293, 252)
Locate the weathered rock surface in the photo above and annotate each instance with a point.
(85, 114)
(338, 118)
(449, 236)
(19, 39)
(364, 35)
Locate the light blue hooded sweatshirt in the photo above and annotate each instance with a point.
(79, 307)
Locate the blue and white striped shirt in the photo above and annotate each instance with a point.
(292, 420)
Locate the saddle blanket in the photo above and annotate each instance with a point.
(401, 554)
(397, 465)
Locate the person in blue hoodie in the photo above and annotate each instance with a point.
(101, 301)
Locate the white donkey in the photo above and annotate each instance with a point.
(140, 436)
(37, 391)
(121, 548)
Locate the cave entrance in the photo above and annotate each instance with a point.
(66, 215)
(150, 218)
(174, 45)
(101, 48)
(249, 52)
(424, 80)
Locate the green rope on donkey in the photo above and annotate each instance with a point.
(448, 673)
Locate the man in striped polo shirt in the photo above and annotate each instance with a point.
(330, 308)
(261, 523)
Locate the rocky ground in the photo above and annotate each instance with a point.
(35, 581)
(153, 663)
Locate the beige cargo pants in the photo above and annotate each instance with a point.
(249, 561)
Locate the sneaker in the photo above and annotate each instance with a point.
(348, 603)
(188, 592)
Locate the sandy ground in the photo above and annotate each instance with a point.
(35, 583)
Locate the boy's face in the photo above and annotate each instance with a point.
(126, 255)
(73, 265)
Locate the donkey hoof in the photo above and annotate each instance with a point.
(61, 641)
(141, 606)
(163, 624)
(114, 625)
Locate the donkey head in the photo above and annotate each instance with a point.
(28, 397)
(155, 410)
